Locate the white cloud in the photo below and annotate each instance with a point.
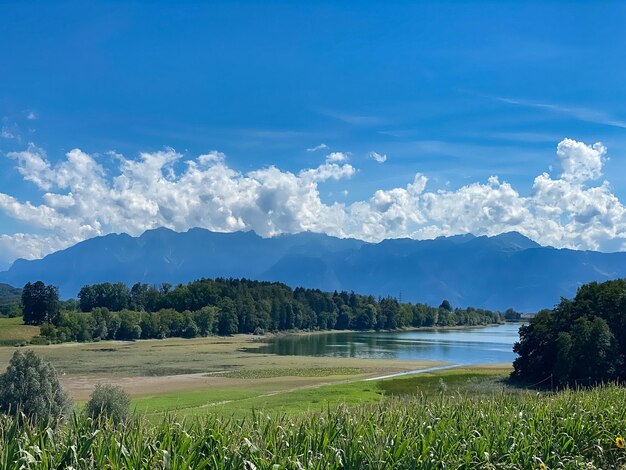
(31, 116)
(581, 114)
(29, 246)
(81, 199)
(6, 134)
(337, 157)
(580, 162)
(33, 166)
(317, 147)
(377, 157)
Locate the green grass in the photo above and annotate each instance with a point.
(13, 332)
(292, 372)
(293, 397)
(242, 401)
(497, 431)
(466, 381)
(292, 403)
(197, 400)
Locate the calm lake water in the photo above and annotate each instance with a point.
(463, 347)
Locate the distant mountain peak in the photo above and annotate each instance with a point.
(460, 238)
(516, 239)
(506, 270)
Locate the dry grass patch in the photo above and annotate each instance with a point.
(13, 332)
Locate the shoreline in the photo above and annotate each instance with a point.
(280, 334)
(269, 335)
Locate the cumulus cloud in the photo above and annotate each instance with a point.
(317, 147)
(580, 162)
(377, 157)
(31, 116)
(80, 199)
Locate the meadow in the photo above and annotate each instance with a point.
(13, 332)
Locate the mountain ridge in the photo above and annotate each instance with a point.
(506, 270)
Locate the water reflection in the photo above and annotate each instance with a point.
(468, 346)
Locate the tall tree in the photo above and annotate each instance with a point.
(581, 341)
(40, 303)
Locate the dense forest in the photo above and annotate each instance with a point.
(228, 306)
(580, 342)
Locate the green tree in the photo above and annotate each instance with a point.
(40, 303)
(564, 359)
(365, 318)
(228, 323)
(579, 342)
(108, 402)
(129, 326)
(31, 386)
(114, 297)
(206, 318)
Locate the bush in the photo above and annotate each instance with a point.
(39, 341)
(31, 386)
(442, 386)
(109, 402)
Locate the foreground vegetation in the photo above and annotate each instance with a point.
(566, 430)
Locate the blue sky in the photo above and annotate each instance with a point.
(456, 91)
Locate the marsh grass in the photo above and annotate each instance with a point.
(175, 356)
(471, 382)
(292, 372)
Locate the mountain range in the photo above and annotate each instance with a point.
(507, 270)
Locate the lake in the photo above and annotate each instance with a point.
(467, 346)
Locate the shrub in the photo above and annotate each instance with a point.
(39, 341)
(31, 386)
(109, 402)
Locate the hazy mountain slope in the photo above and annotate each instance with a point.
(508, 270)
(9, 296)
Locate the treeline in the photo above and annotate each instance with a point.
(580, 342)
(228, 306)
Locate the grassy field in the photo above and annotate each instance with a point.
(284, 395)
(13, 332)
(572, 430)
